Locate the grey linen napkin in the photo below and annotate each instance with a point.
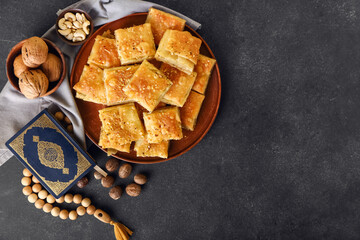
(16, 110)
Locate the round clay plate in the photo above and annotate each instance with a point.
(89, 111)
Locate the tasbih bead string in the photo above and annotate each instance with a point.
(43, 200)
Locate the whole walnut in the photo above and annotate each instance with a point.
(34, 52)
(52, 67)
(33, 83)
(19, 66)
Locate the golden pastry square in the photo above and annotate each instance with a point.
(104, 53)
(115, 80)
(190, 111)
(145, 149)
(111, 148)
(141, 109)
(163, 124)
(91, 85)
(179, 49)
(181, 85)
(147, 86)
(161, 21)
(121, 124)
(135, 44)
(203, 69)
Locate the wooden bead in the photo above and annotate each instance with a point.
(70, 128)
(55, 211)
(27, 173)
(43, 194)
(81, 211)
(77, 198)
(39, 203)
(59, 116)
(36, 187)
(91, 209)
(27, 190)
(47, 207)
(69, 198)
(86, 202)
(67, 120)
(73, 215)
(102, 216)
(34, 179)
(60, 199)
(32, 197)
(98, 175)
(26, 181)
(64, 214)
(50, 199)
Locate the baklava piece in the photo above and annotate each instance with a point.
(161, 21)
(179, 49)
(115, 80)
(181, 85)
(147, 86)
(163, 124)
(190, 111)
(121, 124)
(91, 86)
(145, 149)
(135, 44)
(104, 53)
(109, 147)
(203, 69)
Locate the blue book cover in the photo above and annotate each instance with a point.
(50, 153)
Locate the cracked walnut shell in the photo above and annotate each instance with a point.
(34, 52)
(33, 83)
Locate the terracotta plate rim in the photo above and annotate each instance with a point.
(152, 160)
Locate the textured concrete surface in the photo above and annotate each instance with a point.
(281, 160)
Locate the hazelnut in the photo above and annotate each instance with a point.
(19, 66)
(140, 179)
(52, 67)
(125, 170)
(133, 189)
(97, 175)
(82, 182)
(112, 164)
(33, 83)
(107, 181)
(115, 192)
(34, 52)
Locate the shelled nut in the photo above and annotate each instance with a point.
(140, 179)
(125, 170)
(107, 181)
(112, 164)
(133, 190)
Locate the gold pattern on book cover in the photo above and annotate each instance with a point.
(50, 155)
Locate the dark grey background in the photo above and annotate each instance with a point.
(282, 158)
